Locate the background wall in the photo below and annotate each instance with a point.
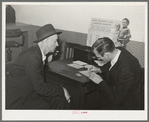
(74, 20)
(77, 17)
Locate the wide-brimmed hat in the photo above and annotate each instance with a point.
(44, 32)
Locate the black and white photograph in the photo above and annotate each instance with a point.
(74, 61)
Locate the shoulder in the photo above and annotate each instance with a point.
(32, 53)
(127, 60)
(126, 55)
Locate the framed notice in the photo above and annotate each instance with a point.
(103, 28)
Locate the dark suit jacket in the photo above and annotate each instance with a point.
(27, 76)
(123, 84)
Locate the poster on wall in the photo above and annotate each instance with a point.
(103, 28)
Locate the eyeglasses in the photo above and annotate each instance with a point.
(96, 58)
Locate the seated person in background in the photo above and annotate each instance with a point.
(121, 88)
(124, 35)
(26, 85)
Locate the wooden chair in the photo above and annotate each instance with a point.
(12, 35)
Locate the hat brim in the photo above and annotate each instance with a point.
(39, 40)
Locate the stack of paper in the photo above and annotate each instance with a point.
(79, 62)
(75, 66)
(85, 72)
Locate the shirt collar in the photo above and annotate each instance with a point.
(114, 60)
(43, 56)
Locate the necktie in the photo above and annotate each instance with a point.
(108, 65)
(108, 73)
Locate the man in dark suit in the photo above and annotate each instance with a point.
(119, 81)
(26, 86)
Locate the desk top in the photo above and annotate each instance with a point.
(60, 67)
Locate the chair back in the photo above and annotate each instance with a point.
(14, 33)
(66, 50)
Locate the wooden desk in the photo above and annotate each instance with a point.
(77, 86)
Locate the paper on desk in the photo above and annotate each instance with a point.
(88, 66)
(75, 66)
(79, 62)
(85, 72)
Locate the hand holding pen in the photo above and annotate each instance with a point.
(93, 76)
(94, 69)
(90, 70)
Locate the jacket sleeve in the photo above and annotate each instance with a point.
(33, 69)
(118, 95)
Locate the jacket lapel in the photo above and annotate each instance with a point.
(38, 51)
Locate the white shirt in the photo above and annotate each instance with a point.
(114, 60)
(43, 56)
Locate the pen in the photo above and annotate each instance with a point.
(91, 67)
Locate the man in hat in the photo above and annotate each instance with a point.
(26, 86)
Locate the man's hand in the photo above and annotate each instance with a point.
(50, 58)
(95, 78)
(67, 95)
(93, 68)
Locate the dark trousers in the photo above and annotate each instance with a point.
(21, 95)
(96, 101)
(36, 101)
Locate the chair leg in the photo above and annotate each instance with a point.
(9, 57)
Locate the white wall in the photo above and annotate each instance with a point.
(77, 16)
